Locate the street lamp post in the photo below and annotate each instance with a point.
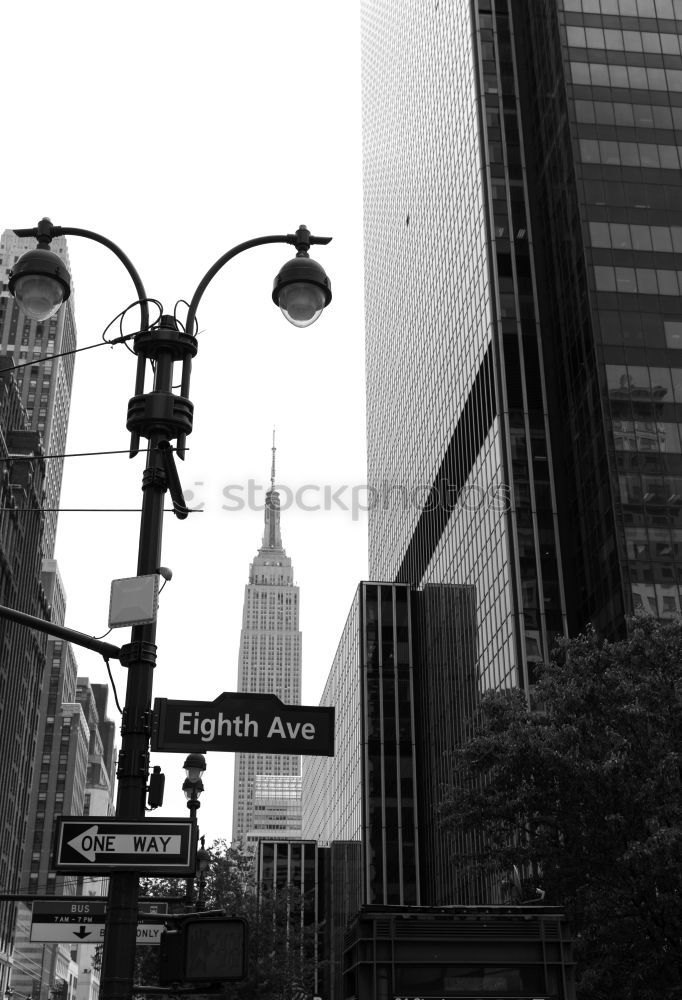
(203, 864)
(192, 787)
(40, 282)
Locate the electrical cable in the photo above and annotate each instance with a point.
(64, 354)
(122, 339)
(73, 454)
(88, 510)
(121, 316)
(111, 678)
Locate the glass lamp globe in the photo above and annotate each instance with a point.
(301, 302)
(40, 282)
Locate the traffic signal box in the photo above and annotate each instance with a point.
(204, 949)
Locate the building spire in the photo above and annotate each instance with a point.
(272, 471)
(272, 538)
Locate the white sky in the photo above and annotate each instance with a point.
(177, 131)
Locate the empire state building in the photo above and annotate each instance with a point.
(267, 786)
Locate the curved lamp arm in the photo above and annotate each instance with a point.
(45, 231)
(301, 239)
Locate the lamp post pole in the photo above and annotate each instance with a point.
(40, 282)
(193, 786)
(133, 761)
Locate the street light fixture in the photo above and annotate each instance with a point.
(193, 786)
(41, 282)
(302, 290)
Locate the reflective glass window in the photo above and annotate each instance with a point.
(637, 543)
(585, 111)
(641, 237)
(664, 8)
(676, 238)
(669, 157)
(624, 114)
(629, 153)
(604, 113)
(630, 488)
(599, 74)
(589, 150)
(638, 377)
(661, 380)
(651, 42)
(667, 283)
(616, 377)
(673, 334)
(594, 37)
(605, 278)
(575, 35)
(676, 374)
(662, 118)
(621, 76)
(620, 236)
(670, 438)
(580, 72)
(648, 154)
(599, 234)
(625, 279)
(609, 152)
(647, 282)
(670, 44)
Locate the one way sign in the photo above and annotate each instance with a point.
(101, 844)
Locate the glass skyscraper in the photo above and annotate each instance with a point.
(523, 213)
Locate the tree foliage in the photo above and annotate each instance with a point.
(281, 939)
(583, 794)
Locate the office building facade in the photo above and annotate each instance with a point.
(406, 663)
(22, 653)
(361, 805)
(73, 775)
(43, 374)
(522, 353)
(269, 663)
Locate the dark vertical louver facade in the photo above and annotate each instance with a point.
(604, 92)
(523, 201)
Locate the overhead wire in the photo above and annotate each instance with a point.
(72, 454)
(123, 338)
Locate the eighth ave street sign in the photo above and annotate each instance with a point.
(252, 723)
